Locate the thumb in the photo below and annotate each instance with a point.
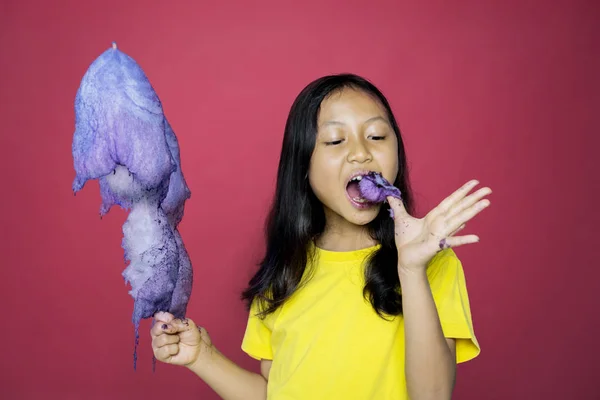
(183, 325)
(397, 209)
(204, 336)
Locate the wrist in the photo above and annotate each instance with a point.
(205, 357)
(412, 273)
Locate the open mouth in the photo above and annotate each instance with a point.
(354, 194)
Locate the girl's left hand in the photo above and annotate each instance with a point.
(419, 239)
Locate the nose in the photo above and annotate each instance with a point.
(359, 153)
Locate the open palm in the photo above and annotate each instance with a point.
(419, 239)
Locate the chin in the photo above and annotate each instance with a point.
(362, 217)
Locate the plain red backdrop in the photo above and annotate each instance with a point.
(506, 92)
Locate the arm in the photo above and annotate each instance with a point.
(230, 381)
(430, 357)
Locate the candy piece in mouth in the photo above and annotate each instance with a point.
(375, 188)
(353, 190)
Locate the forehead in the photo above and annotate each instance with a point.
(350, 104)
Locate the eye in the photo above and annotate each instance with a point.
(377, 137)
(334, 142)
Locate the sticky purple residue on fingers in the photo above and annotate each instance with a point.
(444, 244)
(123, 139)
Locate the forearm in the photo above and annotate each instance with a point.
(430, 365)
(227, 379)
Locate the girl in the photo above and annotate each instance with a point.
(348, 303)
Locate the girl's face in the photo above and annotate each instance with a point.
(354, 137)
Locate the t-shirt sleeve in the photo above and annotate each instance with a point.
(449, 289)
(257, 339)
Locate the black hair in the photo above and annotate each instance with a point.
(297, 217)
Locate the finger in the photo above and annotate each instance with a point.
(460, 228)
(183, 325)
(457, 241)
(161, 328)
(164, 340)
(468, 201)
(165, 353)
(466, 215)
(449, 201)
(397, 207)
(203, 333)
(163, 316)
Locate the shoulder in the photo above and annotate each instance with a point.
(258, 315)
(443, 260)
(445, 268)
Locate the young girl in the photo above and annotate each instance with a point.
(348, 303)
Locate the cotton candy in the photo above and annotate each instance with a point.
(375, 188)
(123, 139)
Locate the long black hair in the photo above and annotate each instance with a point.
(297, 217)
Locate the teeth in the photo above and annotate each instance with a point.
(359, 200)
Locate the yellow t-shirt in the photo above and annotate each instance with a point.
(327, 342)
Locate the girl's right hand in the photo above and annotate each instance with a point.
(179, 342)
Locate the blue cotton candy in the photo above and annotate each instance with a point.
(123, 139)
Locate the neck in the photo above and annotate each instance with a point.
(341, 235)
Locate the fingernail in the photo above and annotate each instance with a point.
(164, 327)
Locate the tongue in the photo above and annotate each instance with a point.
(353, 190)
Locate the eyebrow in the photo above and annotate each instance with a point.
(372, 119)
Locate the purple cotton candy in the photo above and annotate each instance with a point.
(173, 205)
(123, 139)
(375, 188)
(178, 191)
(119, 121)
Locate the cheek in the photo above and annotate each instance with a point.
(322, 177)
(392, 163)
(321, 166)
(319, 179)
(388, 162)
(395, 167)
(319, 188)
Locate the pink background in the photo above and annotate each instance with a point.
(506, 92)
